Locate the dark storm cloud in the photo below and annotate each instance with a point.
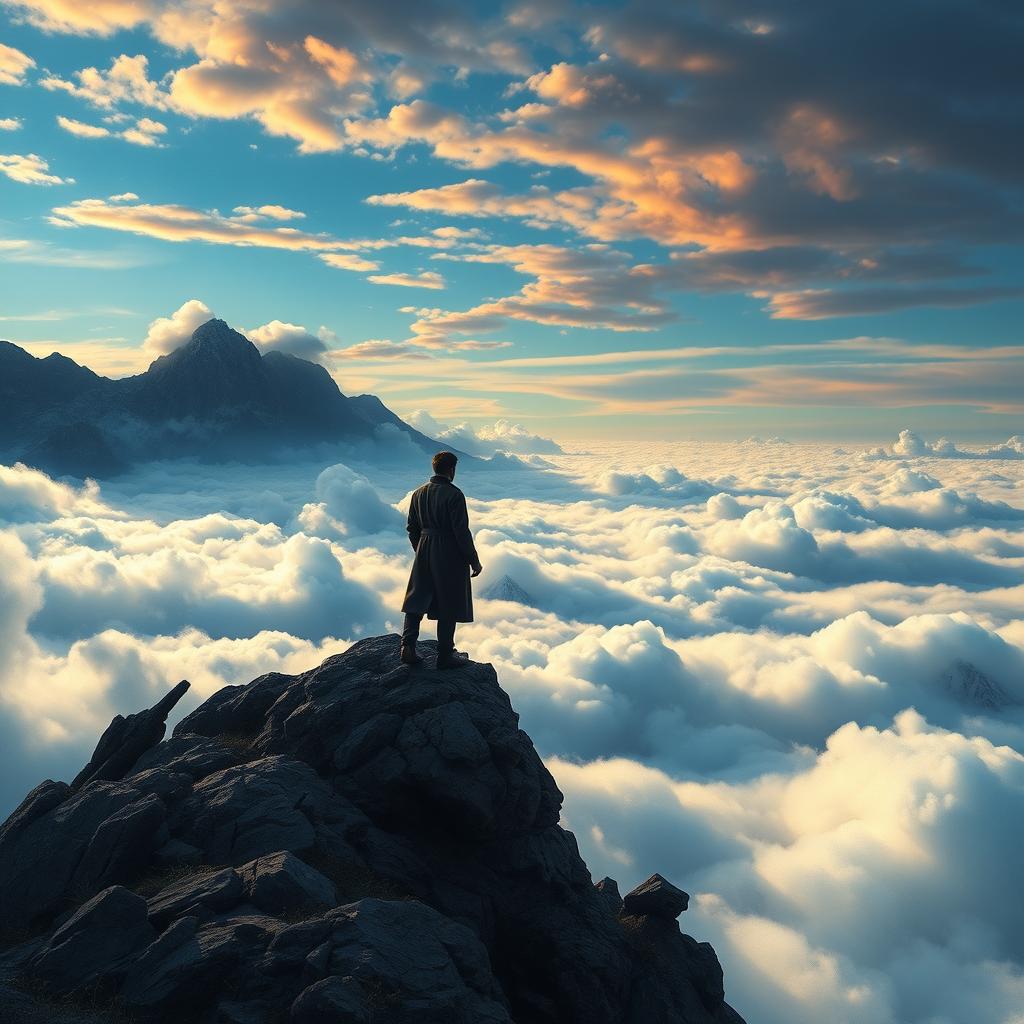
(938, 81)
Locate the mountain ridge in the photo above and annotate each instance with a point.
(216, 397)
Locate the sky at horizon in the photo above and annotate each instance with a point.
(605, 220)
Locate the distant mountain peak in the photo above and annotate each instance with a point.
(214, 329)
(215, 395)
(506, 589)
(968, 684)
(216, 335)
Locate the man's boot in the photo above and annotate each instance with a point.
(452, 659)
(409, 655)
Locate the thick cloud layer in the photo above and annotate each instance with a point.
(790, 677)
(501, 436)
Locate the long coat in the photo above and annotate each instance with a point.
(439, 532)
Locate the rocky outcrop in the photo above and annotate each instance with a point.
(363, 842)
(125, 740)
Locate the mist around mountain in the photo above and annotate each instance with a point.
(216, 397)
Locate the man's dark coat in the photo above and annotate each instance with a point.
(439, 532)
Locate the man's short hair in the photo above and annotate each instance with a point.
(444, 463)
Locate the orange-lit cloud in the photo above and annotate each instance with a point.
(426, 279)
(146, 131)
(30, 169)
(14, 65)
(348, 261)
(126, 81)
(174, 223)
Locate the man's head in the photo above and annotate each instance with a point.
(444, 464)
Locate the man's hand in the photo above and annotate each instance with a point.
(477, 569)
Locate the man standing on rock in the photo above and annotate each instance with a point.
(446, 557)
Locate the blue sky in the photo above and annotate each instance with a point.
(601, 220)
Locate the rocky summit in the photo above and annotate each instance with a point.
(366, 841)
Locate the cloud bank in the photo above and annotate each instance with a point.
(788, 676)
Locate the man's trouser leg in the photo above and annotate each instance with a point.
(411, 629)
(445, 637)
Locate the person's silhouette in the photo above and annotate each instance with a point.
(445, 559)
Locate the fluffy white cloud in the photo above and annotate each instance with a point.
(167, 333)
(899, 832)
(348, 503)
(500, 436)
(145, 132)
(27, 495)
(291, 339)
(656, 480)
(30, 169)
(715, 646)
(910, 445)
(14, 65)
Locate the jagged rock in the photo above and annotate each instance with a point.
(281, 882)
(674, 974)
(189, 965)
(127, 739)
(195, 756)
(45, 797)
(419, 964)
(658, 897)
(412, 799)
(121, 844)
(199, 895)
(99, 940)
(235, 710)
(608, 889)
(253, 809)
(103, 835)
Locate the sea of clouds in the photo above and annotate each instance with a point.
(789, 677)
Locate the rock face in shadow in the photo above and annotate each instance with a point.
(363, 842)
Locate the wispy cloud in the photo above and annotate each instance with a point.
(821, 304)
(30, 169)
(424, 279)
(14, 65)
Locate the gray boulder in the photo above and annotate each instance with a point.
(190, 965)
(658, 897)
(201, 894)
(99, 941)
(395, 961)
(281, 883)
(101, 836)
(253, 809)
